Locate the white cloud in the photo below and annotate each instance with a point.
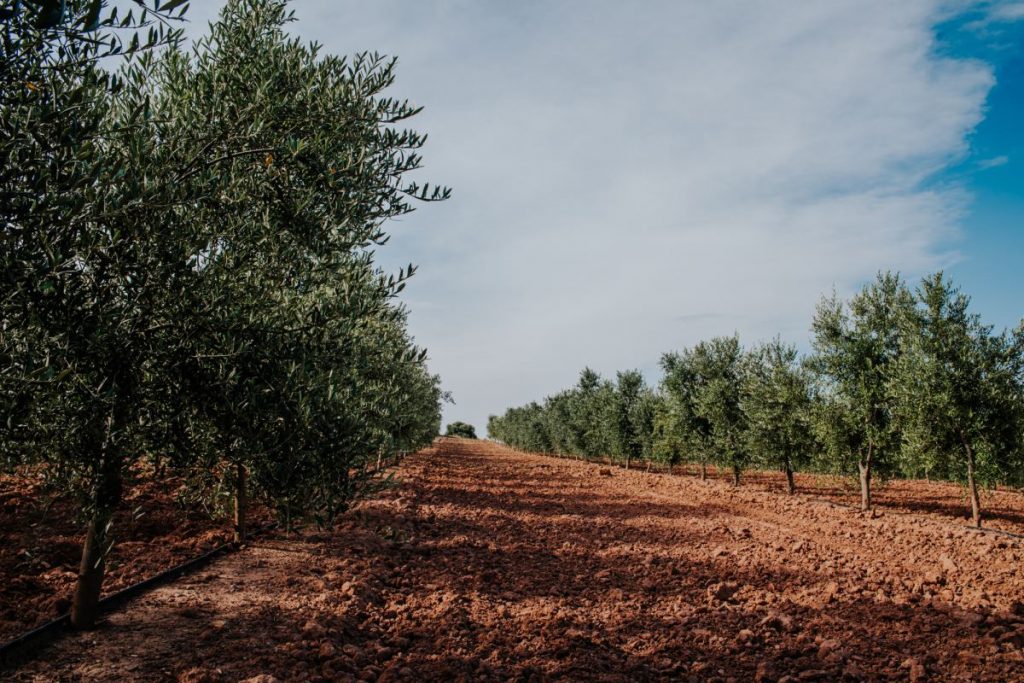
(994, 162)
(630, 178)
(1010, 11)
(993, 14)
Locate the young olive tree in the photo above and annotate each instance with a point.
(631, 423)
(92, 257)
(957, 389)
(668, 437)
(855, 347)
(592, 415)
(777, 402)
(719, 368)
(558, 423)
(646, 410)
(582, 421)
(522, 428)
(681, 384)
(299, 361)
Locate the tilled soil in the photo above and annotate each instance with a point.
(1002, 509)
(490, 565)
(41, 545)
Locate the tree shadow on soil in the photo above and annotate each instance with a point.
(494, 578)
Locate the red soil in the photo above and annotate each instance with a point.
(41, 546)
(1001, 509)
(491, 565)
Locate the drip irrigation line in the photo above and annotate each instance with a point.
(27, 645)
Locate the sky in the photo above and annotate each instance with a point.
(631, 178)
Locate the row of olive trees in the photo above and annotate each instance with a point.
(460, 429)
(187, 262)
(901, 383)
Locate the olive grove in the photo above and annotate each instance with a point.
(188, 262)
(900, 383)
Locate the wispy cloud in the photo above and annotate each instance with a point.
(994, 14)
(1009, 11)
(993, 162)
(630, 178)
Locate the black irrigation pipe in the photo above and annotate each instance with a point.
(27, 645)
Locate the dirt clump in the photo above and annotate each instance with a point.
(491, 565)
(41, 544)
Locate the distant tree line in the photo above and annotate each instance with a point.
(461, 429)
(187, 262)
(900, 383)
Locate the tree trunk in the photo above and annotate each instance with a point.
(85, 602)
(736, 475)
(972, 484)
(241, 504)
(864, 468)
(627, 462)
(790, 483)
(670, 468)
(703, 471)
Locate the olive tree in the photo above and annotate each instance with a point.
(719, 367)
(92, 256)
(293, 319)
(461, 429)
(668, 437)
(681, 383)
(591, 419)
(855, 347)
(957, 389)
(630, 415)
(188, 258)
(777, 402)
(591, 414)
(522, 427)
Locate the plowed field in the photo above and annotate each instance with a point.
(491, 565)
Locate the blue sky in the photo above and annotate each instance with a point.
(632, 178)
(993, 172)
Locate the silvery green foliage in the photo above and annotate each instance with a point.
(632, 419)
(196, 249)
(957, 390)
(719, 371)
(668, 443)
(91, 256)
(855, 345)
(460, 429)
(894, 388)
(84, 267)
(776, 399)
(188, 258)
(300, 367)
(591, 413)
(577, 422)
(680, 384)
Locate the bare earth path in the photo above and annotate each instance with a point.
(492, 565)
